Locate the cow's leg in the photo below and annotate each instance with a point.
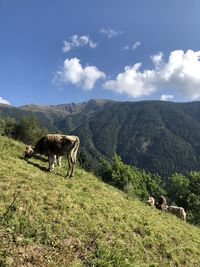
(55, 159)
(72, 164)
(51, 162)
(72, 170)
(69, 167)
(59, 160)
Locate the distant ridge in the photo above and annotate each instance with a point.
(65, 108)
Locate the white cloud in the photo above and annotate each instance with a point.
(78, 41)
(110, 33)
(157, 59)
(133, 47)
(126, 47)
(73, 72)
(181, 73)
(166, 97)
(136, 45)
(3, 101)
(132, 82)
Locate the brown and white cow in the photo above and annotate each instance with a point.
(151, 201)
(54, 146)
(162, 205)
(178, 211)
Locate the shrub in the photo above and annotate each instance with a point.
(129, 179)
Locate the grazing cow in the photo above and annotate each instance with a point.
(151, 201)
(161, 204)
(178, 211)
(56, 145)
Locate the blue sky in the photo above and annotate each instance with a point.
(64, 51)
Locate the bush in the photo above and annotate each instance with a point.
(7, 126)
(29, 131)
(185, 192)
(129, 179)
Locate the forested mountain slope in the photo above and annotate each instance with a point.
(161, 137)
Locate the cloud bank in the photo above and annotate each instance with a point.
(4, 101)
(181, 73)
(73, 72)
(78, 41)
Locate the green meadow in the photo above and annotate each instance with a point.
(48, 220)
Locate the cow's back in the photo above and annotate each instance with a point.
(55, 144)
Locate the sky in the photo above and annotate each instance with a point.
(56, 52)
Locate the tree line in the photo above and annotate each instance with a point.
(27, 130)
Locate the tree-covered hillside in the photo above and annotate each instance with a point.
(47, 220)
(18, 114)
(157, 136)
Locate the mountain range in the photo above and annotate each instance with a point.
(158, 136)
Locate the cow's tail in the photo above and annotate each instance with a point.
(74, 150)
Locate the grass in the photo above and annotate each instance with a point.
(47, 220)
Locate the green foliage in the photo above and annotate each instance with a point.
(85, 160)
(29, 131)
(185, 192)
(7, 126)
(129, 179)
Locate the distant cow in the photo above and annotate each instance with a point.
(161, 204)
(56, 145)
(178, 211)
(151, 201)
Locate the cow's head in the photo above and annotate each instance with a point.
(151, 201)
(29, 152)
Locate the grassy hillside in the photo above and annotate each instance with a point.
(46, 220)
